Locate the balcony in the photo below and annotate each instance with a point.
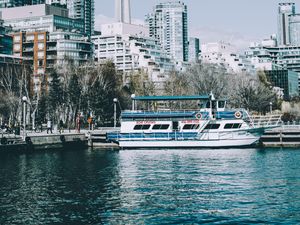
(28, 50)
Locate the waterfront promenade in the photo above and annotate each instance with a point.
(67, 138)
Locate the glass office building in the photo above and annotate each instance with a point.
(285, 79)
(6, 41)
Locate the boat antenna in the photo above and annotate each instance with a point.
(212, 97)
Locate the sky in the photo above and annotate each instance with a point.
(236, 21)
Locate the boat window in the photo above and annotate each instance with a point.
(221, 104)
(207, 105)
(160, 127)
(232, 125)
(190, 126)
(175, 125)
(141, 127)
(212, 126)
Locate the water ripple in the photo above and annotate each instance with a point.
(232, 186)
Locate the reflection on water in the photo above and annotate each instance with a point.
(230, 186)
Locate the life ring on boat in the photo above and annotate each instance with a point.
(238, 115)
(199, 116)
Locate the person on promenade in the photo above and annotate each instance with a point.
(61, 126)
(78, 123)
(49, 126)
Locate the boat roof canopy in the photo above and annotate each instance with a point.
(170, 98)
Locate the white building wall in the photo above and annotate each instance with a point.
(224, 54)
(124, 29)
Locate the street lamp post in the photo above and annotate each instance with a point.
(24, 99)
(271, 107)
(133, 101)
(115, 112)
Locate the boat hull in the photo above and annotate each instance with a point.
(126, 144)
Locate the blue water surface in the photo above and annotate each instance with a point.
(225, 186)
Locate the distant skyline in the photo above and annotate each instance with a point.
(237, 21)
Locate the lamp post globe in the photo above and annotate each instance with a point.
(24, 99)
(133, 101)
(115, 112)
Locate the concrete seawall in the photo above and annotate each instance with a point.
(49, 141)
(285, 136)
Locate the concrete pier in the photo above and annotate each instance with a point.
(69, 139)
(284, 136)
(97, 138)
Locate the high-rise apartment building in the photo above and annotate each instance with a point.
(123, 13)
(83, 10)
(194, 49)
(284, 11)
(294, 23)
(168, 23)
(131, 49)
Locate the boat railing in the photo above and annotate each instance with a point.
(175, 136)
(130, 115)
(160, 111)
(271, 120)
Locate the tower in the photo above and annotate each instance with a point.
(169, 25)
(122, 11)
(284, 11)
(83, 10)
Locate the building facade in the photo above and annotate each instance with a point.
(129, 47)
(294, 26)
(6, 41)
(168, 23)
(284, 79)
(287, 57)
(284, 11)
(194, 49)
(17, 3)
(44, 51)
(40, 18)
(225, 55)
(83, 10)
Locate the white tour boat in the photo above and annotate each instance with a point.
(211, 126)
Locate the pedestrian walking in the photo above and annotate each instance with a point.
(49, 126)
(78, 123)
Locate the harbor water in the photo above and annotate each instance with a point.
(225, 186)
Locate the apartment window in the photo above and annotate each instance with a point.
(40, 54)
(41, 45)
(30, 38)
(17, 38)
(41, 36)
(16, 47)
